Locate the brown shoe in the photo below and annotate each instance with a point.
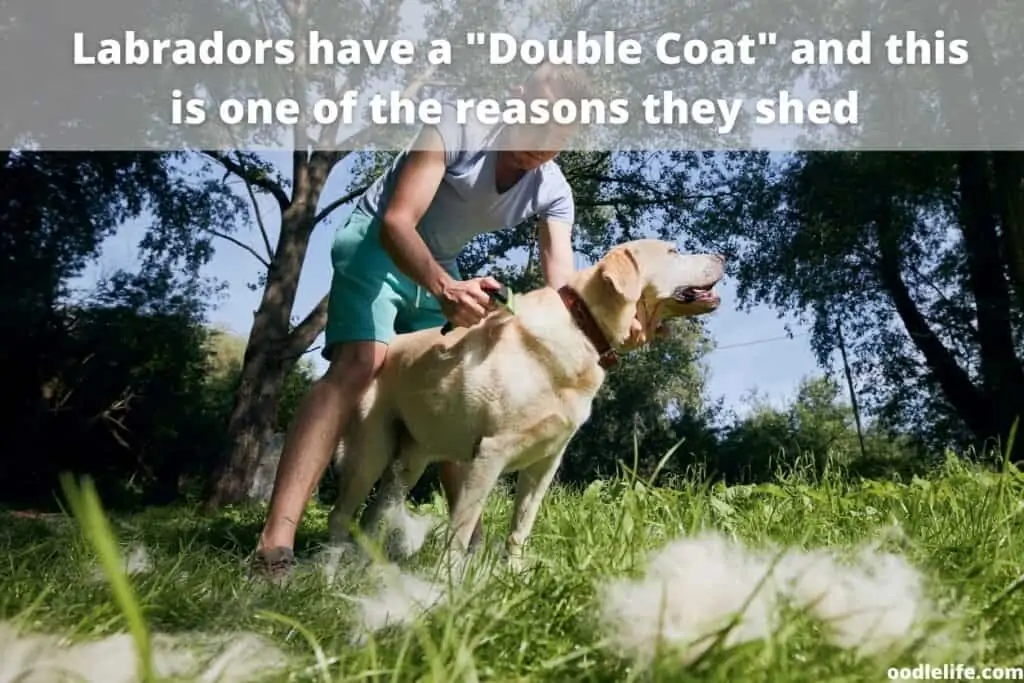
(273, 564)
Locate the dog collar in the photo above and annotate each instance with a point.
(585, 321)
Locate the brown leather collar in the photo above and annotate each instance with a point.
(585, 321)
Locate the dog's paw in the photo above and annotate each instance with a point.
(516, 561)
(516, 564)
(405, 533)
(398, 547)
(514, 558)
(455, 564)
(337, 560)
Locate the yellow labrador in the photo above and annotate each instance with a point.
(508, 394)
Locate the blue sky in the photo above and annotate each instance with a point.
(754, 355)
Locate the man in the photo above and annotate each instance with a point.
(395, 271)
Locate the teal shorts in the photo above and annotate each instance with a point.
(370, 299)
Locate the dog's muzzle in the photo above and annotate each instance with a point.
(692, 295)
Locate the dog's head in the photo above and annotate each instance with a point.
(650, 281)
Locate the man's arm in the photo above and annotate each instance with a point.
(414, 190)
(556, 257)
(556, 221)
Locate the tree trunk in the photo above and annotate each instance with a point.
(1000, 368)
(271, 349)
(1008, 168)
(973, 406)
(250, 425)
(988, 192)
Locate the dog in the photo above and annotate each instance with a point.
(509, 393)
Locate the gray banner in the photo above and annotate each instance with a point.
(667, 74)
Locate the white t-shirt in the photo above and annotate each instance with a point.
(467, 203)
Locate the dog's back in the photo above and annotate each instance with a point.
(499, 377)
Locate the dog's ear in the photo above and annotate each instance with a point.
(619, 272)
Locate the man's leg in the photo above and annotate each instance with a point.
(313, 437)
(360, 322)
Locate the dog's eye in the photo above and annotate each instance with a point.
(673, 251)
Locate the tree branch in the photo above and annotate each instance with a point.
(638, 201)
(280, 72)
(286, 8)
(332, 155)
(353, 80)
(261, 181)
(577, 19)
(242, 245)
(640, 184)
(961, 393)
(303, 334)
(344, 199)
(870, 260)
(256, 207)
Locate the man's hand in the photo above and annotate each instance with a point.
(466, 302)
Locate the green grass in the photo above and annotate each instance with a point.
(961, 528)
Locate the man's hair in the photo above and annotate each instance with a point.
(565, 80)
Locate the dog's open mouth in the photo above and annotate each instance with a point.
(690, 295)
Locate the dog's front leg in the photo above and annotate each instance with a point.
(366, 452)
(479, 477)
(532, 484)
(388, 507)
